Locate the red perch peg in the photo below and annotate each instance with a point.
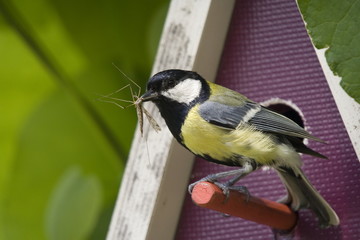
(259, 210)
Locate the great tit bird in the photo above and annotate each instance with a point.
(224, 127)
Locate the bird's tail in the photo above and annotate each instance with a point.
(301, 194)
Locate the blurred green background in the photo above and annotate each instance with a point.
(62, 151)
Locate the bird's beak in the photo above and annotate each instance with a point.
(149, 96)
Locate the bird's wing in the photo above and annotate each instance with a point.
(269, 121)
(224, 115)
(219, 113)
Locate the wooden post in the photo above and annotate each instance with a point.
(155, 182)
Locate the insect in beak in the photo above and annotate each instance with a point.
(137, 101)
(148, 96)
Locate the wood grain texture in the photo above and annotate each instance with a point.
(155, 181)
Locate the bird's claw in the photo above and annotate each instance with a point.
(192, 185)
(226, 190)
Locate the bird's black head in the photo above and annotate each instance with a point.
(175, 92)
(176, 85)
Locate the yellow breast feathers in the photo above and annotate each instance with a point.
(203, 138)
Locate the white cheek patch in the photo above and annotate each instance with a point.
(184, 92)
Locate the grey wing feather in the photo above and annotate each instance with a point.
(264, 119)
(269, 121)
(223, 115)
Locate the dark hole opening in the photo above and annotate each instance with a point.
(287, 111)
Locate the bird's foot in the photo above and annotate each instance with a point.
(205, 179)
(229, 185)
(226, 187)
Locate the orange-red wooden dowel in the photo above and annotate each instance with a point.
(259, 210)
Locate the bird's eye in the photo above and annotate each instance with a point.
(169, 83)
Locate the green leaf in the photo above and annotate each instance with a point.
(335, 25)
(73, 207)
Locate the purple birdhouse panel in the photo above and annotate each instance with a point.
(268, 56)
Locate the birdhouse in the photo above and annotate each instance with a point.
(261, 49)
